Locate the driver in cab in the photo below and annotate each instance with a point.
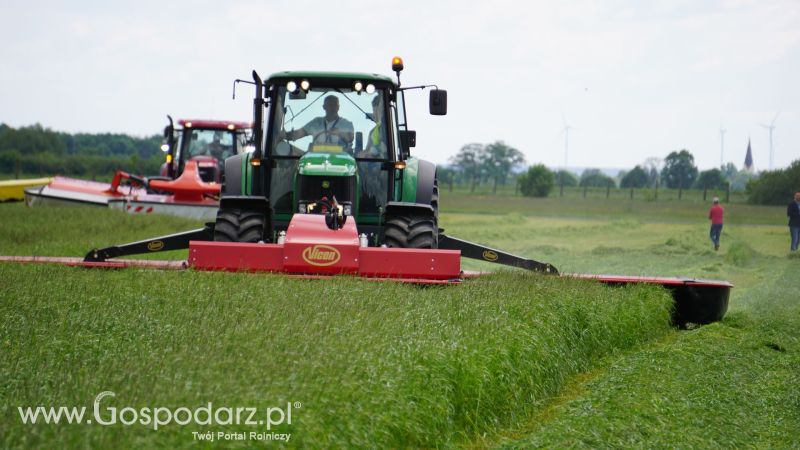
(328, 129)
(216, 148)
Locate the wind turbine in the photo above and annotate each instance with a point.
(565, 130)
(771, 127)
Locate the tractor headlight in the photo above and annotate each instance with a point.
(301, 208)
(347, 210)
(291, 86)
(305, 85)
(164, 147)
(358, 86)
(370, 88)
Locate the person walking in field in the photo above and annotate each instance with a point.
(793, 211)
(715, 214)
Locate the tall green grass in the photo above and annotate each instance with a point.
(74, 230)
(374, 364)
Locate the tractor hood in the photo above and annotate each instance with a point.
(327, 164)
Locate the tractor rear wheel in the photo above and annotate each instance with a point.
(236, 225)
(411, 231)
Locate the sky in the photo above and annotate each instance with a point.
(633, 79)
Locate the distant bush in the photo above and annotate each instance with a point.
(775, 187)
(596, 178)
(636, 178)
(740, 179)
(711, 179)
(566, 178)
(679, 171)
(538, 181)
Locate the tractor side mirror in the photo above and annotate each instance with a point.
(408, 139)
(438, 102)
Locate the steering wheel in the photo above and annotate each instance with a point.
(325, 132)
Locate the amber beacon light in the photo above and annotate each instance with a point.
(397, 64)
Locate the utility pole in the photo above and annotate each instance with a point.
(722, 147)
(565, 130)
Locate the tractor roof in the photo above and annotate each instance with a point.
(332, 75)
(214, 124)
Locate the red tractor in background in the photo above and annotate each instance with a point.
(208, 142)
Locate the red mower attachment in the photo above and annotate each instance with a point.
(189, 187)
(310, 247)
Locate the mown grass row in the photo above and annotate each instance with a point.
(374, 364)
(608, 209)
(731, 384)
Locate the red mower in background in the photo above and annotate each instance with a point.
(188, 185)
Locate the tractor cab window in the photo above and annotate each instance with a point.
(331, 121)
(215, 143)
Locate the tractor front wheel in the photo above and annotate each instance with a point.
(411, 231)
(236, 225)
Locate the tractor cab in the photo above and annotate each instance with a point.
(208, 142)
(336, 144)
(332, 136)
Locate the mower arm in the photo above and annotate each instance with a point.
(177, 241)
(476, 251)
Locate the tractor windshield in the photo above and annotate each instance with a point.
(330, 120)
(217, 143)
(202, 143)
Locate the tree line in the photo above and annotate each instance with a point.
(41, 151)
(676, 171)
(38, 150)
(479, 163)
(496, 163)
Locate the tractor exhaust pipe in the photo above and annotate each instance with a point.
(258, 119)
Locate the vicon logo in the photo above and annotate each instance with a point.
(321, 255)
(489, 255)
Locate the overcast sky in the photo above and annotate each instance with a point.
(635, 79)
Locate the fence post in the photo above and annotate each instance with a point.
(728, 192)
(656, 189)
(584, 191)
(680, 192)
(705, 193)
(631, 193)
(608, 190)
(561, 191)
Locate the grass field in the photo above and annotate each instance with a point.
(512, 360)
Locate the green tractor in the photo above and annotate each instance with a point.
(335, 144)
(338, 145)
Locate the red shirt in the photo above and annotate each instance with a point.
(715, 214)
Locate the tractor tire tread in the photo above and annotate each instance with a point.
(235, 225)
